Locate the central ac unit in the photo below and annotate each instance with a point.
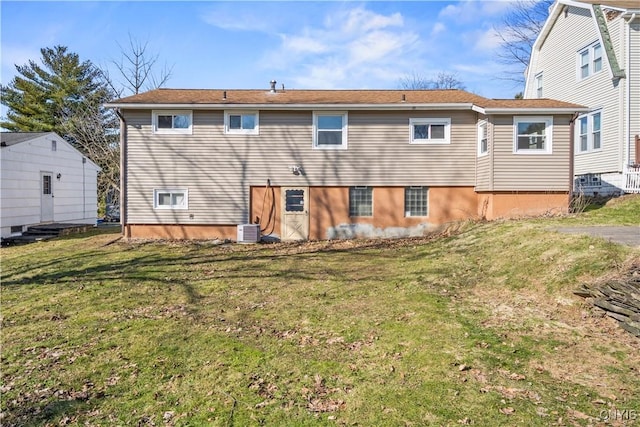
(248, 233)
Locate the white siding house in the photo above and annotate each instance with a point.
(44, 180)
(588, 53)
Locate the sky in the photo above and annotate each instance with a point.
(244, 45)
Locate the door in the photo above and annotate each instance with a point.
(46, 197)
(295, 213)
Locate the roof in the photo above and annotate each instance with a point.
(295, 96)
(618, 4)
(12, 138)
(538, 103)
(391, 99)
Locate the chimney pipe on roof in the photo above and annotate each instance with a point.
(273, 86)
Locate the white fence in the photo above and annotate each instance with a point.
(632, 179)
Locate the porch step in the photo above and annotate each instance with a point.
(38, 233)
(56, 229)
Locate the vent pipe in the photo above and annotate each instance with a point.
(273, 86)
(224, 95)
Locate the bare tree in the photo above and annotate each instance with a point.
(139, 69)
(518, 32)
(443, 80)
(94, 131)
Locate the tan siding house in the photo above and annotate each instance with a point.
(589, 53)
(304, 164)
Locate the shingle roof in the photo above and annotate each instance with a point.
(328, 97)
(296, 96)
(538, 103)
(12, 138)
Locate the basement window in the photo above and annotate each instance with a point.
(360, 201)
(416, 201)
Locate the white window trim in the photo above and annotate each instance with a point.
(185, 131)
(548, 146)
(589, 117)
(446, 121)
(481, 124)
(157, 191)
(539, 85)
(590, 60)
(345, 126)
(229, 131)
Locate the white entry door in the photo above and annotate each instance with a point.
(46, 197)
(295, 213)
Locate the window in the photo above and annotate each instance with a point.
(589, 132)
(415, 201)
(589, 61)
(294, 201)
(430, 131)
(539, 85)
(483, 142)
(243, 122)
(360, 201)
(54, 145)
(533, 135)
(46, 185)
(172, 122)
(330, 131)
(170, 199)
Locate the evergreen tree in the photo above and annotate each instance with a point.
(66, 96)
(42, 98)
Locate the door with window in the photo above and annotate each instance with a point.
(46, 196)
(295, 213)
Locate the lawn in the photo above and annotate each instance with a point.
(477, 326)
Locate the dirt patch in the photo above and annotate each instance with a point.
(579, 343)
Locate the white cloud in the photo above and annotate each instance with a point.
(487, 40)
(472, 10)
(237, 17)
(360, 19)
(438, 28)
(302, 44)
(349, 48)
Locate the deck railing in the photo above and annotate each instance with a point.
(631, 178)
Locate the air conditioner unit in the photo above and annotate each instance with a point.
(248, 233)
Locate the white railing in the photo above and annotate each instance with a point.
(631, 177)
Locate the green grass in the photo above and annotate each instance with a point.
(479, 327)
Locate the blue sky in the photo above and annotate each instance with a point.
(244, 45)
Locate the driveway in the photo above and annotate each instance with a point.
(625, 235)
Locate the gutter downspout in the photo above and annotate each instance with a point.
(123, 179)
(627, 161)
(572, 144)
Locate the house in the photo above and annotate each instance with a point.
(326, 164)
(588, 53)
(43, 180)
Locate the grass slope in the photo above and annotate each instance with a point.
(478, 327)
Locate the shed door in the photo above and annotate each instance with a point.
(46, 197)
(295, 213)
